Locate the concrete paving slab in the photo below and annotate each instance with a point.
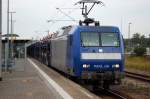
(25, 83)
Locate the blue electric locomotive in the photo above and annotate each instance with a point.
(89, 52)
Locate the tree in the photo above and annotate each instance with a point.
(136, 38)
(148, 41)
(139, 40)
(139, 51)
(143, 41)
(139, 44)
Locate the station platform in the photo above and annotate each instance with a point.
(30, 79)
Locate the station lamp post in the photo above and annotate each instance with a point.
(12, 25)
(129, 38)
(12, 21)
(7, 44)
(7, 51)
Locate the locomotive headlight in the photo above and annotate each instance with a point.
(86, 66)
(116, 66)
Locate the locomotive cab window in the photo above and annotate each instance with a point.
(89, 39)
(109, 39)
(93, 39)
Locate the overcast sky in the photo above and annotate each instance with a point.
(31, 15)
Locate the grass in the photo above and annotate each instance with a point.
(139, 63)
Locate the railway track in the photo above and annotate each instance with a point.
(141, 77)
(111, 94)
(103, 93)
(115, 94)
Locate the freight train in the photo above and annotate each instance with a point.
(88, 52)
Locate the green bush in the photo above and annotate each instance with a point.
(139, 51)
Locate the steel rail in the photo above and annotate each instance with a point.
(142, 77)
(119, 95)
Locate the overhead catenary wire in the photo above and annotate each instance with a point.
(66, 14)
(54, 21)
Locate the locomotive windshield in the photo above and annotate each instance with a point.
(109, 39)
(99, 39)
(89, 39)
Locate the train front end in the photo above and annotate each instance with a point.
(100, 55)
